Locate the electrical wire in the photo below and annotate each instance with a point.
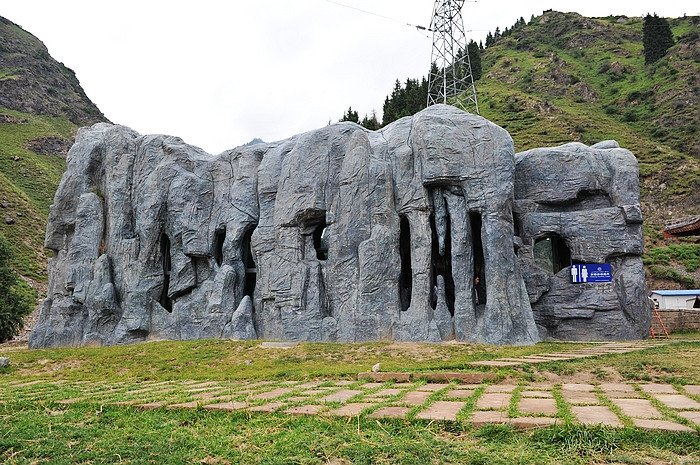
(418, 27)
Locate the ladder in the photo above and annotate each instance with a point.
(661, 323)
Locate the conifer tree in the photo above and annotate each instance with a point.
(351, 115)
(657, 38)
(475, 59)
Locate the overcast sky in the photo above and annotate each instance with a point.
(220, 73)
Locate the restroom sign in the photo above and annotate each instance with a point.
(591, 273)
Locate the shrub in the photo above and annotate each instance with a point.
(15, 300)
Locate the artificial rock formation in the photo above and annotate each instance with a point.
(340, 234)
(581, 204)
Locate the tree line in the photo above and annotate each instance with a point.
(409, 97)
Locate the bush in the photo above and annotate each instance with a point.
(15, 301)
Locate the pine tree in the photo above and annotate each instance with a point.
(657, 38)
(371, 122)
(15, 304)
(351, 115)
(475, 59)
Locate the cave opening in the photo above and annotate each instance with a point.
(166, 264)
(442, 265)
(551, 253)
(219, 238)
(479, 278)
(251, 269)
(320, 244)
(406, 275)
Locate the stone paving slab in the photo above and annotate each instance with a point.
(441, 410)
(416, 397)
(267, 408)
(151, 405)
(537, 405)
(692, 389)
(227, 406)
(305, 410)
(481, 418)
(617, 387)
(313, 392)
(464, 378)
(384, 376)
(493, 400)
(577, 397)
(500, 388)
(279, 392)
(390, 412)
(678, 401)
(495, 363)
(596, 415)
(577, 387)
(662, 425)
(341, 396)
(193, 404)
(459, 393)
(388, 392)
(432, 387)
(637, 408)
(536, 393)
(532, 422)
(351, 410)
(692, 416)
(655, 388)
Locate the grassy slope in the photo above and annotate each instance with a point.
(27, 185)
(39, 428)
(566, 78)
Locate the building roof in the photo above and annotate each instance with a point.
(688, 292)
(684, 227)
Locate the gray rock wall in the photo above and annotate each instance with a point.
(340, 234)
(587, 199)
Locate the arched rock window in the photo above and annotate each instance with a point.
(551, 253)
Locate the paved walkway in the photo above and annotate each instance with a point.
(648, 406)
(585, 352)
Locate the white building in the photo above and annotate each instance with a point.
(687, 299)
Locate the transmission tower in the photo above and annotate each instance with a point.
(451, 69)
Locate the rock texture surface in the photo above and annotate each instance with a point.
(586, 199)
(339, 234)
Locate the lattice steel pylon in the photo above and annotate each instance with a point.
(450, 69)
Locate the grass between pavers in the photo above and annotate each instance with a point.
(91, 433)
(36, 427)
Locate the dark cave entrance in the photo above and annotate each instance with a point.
(442, 265)
(406, 276)
(479, 278)
(320, 240)
(166, 264)
(219, 238)
(251, 269)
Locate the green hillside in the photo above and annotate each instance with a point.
(41, 107)
(564, 77)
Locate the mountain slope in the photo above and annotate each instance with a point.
(564, 77)
(41, 107)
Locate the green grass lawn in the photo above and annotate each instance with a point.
(37, 428)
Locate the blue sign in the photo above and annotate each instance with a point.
(591, 273)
